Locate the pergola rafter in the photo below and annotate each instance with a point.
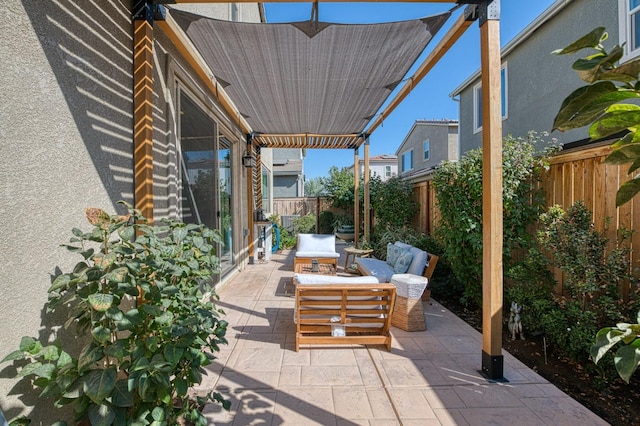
(488, 12)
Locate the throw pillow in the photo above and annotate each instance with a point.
(393, 252)
(403, 262)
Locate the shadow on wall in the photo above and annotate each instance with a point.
(88, 46)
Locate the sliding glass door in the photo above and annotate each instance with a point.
(206, 170)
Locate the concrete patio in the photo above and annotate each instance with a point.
(429, 377)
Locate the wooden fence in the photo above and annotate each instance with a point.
(572, 176)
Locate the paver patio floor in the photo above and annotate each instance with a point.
(429, 377)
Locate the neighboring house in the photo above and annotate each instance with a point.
(288, 172)
(534, 81)
(67, 125)
(384, 166)
(428, 143)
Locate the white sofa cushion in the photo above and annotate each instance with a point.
(316, 245)
(377, 268)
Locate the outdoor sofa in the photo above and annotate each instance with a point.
(402, 258)
(335, 310)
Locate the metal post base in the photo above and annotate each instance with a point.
(492, 366)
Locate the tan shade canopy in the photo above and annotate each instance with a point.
(309, 79)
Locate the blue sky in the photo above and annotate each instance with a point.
(429, 99)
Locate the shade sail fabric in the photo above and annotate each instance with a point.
(308, 77)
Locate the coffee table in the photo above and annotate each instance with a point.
(323, 269)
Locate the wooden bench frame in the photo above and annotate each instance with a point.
(346, 307)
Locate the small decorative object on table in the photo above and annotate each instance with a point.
(314, 265)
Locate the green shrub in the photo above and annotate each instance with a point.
(138, 364)
(570, 330)
(529, 283)
(592, 277)
(325, 220)
(458, 187)
(305, 224)
(287, 239)
(392, 202)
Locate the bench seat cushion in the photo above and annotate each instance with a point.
(377, 268)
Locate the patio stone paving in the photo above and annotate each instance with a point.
(429, 377)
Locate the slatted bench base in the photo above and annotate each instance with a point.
(360, 312)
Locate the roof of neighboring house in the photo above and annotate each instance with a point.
(441, 122)
(543, 18)
(383, 158)
(292, 167)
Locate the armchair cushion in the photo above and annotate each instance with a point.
(316, 245)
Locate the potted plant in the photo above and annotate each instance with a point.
(142, 299)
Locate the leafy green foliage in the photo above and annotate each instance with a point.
(392, 202)
(598, 104)
(627, 338)
(325, 222)
(314, 187)
(570, 329)
(305, 224)
(580, 252)
(593, 275)
(529, 283)
(339, 187)
(458, 187)
(138, 363)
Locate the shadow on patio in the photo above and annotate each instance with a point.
(429, 377)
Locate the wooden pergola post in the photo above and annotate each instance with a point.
(143, 15)
(492, 228)
(356, 198)
(250, 201)
(367, 204)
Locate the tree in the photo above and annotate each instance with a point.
(339, 187)
(598, 104)
(314, 187)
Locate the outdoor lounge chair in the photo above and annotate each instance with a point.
(316, 246)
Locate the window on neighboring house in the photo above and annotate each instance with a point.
(427, 151)
(477, 99)
(407, 161)
(387, 171)
(629, 28)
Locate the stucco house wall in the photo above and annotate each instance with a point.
(66, 123)
(537, 81)
(443, 137)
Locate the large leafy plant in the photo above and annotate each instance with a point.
(627, 357)
(142, 298)
(598, 104)
(458, 187)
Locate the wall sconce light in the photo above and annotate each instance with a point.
(247, 160)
